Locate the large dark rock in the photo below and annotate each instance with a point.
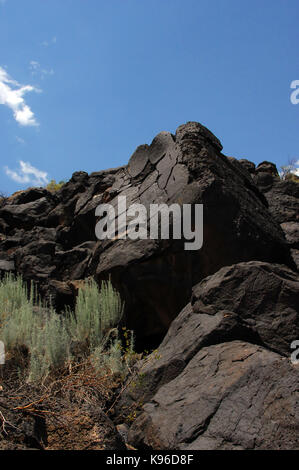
(249, 166)
(26, 215)
(283, 199)
(188, 333)
(155, 277)
(221, 378)
(264, 296)
(267, 167)
(254, 302)
(230, 396)
(29, 195)
(291, 231)
(6, 267)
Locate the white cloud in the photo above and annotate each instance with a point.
(12, 95)
(20, 140)
(36, 69)
(296, 171)
(27, 174)
(34, 65)
(48, 43)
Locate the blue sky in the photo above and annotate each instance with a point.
(83, 82)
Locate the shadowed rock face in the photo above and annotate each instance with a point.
(282, 198)
(263, 296)
(222, 377)
(51, 237)
(231, 395)
(256, 303)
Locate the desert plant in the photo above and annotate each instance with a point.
(110, 359)
(115, 355)
(53, 186)
(16, 315)
(96, 312)
(48, 337)
(49, 348)
(22, 325)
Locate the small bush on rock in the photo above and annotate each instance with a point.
(96, 312)
(53, 186)
(48, 337)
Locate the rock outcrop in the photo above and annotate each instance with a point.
(231, 395)
(50, 238)
(227, 313)
(248, 310)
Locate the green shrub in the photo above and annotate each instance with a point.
(112, 355)
(48, 337)
(49, 348)
(53, 186)
(109, 359)
(96, 312)
(17, 320)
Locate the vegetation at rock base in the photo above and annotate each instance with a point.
(226, 315)
(54, 186)
(61, 367)
(52, 342)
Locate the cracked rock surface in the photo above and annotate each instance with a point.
(231, 395)
(222, 318)
(50, 237)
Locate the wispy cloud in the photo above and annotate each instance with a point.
(36, 69)
(12, 95)
(20, 140)
(27, 174)
(50, 42)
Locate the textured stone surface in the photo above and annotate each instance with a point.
(45, 234)
(254, 302)
(265, 297)
(230, 396)
(283, 200)
(221, 377)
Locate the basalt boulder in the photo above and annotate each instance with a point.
(230, 396)
(282, 196)
(222, 377)
(254, 302)
(154, 277)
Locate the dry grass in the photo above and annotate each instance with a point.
(54, 406)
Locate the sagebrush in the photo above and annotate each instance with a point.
(52, 341)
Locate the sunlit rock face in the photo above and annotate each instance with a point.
(50, 237)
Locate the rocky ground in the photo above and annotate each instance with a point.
(67, 412)
(221, 319)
